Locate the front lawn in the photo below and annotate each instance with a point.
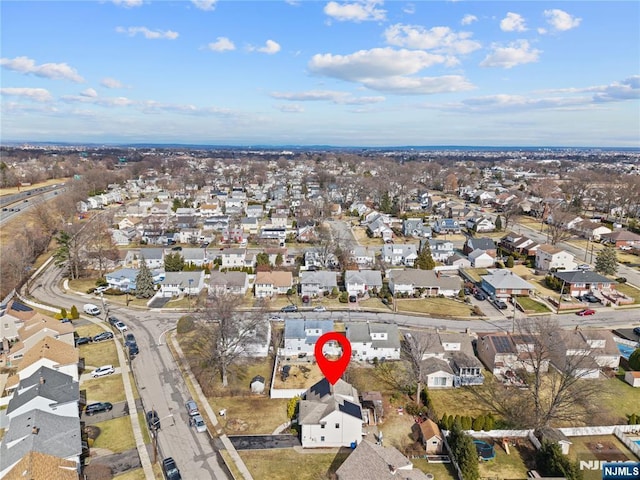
(99, 353)
(436, 306)
(104, 389)
(116, 435)
(285, 464)
(629, 291)
(530, 305)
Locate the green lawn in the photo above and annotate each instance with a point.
(115, 435)
(580, 451)
(440, 471)
(307, 466)
(444, 307)
(529, 304)
(618, 399)
(104, 389)
(99, 353)
(629, 291)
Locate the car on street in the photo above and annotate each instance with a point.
(289, 308)
(153, 420)
(192, 408)
(500, 304)
(103, 336)
(170, 469)
(130, 339)
(83, 340)
(198, 422)
(133, 350)
(479, 296)
(636, 330)
(91, 309)
(121, 327)
(100, 290)
(98, 407)
(113, 321)
(102, 371)
(585, 312)
(276, 318)
(320, 308)
(353, 299)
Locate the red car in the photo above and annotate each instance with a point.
(585, 312)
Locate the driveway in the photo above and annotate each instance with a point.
(264, 442)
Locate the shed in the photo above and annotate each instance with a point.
(632, 378)
(257, 384)
(553, 435)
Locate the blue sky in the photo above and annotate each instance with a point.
(344, 73)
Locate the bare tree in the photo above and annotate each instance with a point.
(99, 244)
(230, 332)
(415, 346)
(557, 230)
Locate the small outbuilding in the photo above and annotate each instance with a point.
(632, 378)
(257, 384)
(429, 435)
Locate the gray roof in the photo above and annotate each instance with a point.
(365, 277)
(182, 278)
(295, 327)
(323, 278)
(42, 432)
(55, 386)
(228, 279)
(361, 332)
(152, 253)
(323, 398)
(582, 276)
(375, 462)
(506, 279)
(424, 278)
(435, 364)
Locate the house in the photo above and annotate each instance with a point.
(441, 250)
(257, 384)
(415, 227)
(45, 389)
(449, 361)
(195, 256)
(228, 282)
(504, 284)
(317, 283)
(330, 415)
(502, 352)
(249, 225)
(153, 257)
(175, 284)
(591, 230)
(481, 259)
(515, 243)
(379, 228)
(426, 282)
(300, 335)
(579, 282)
(233, 257)
(269, 284)
(8, 327)
(446, 225)
(363, 256)
(51, 353)
(256, 338)
(437, 373)
(123, 279)
(40, 326)
(42, 432)
(399, 254)
(482, 243)
(549, 257)
(429, 435)
(39, 465)
(372, 340)
(632, 378)
(621, 238)
(375, 462)
(459, 261)
(359, 282)
(480, 224)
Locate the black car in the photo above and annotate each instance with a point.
(589, 297)
(353, 298)
(83, 340)
(153, 420)
(130, 340)
(103, 336)
(170, 469)
(480, 296)
(289, 308)
(98, 407)
(133, 350)
(500, 304)
(636, 331)
(113, 321)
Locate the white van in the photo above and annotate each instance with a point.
(91, 309)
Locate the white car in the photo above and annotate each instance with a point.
(102, 371)
(121, 326)
(275, 318)
(320, 308)
(584, 267)
(198, 422)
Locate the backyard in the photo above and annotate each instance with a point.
(443, 307)
(308, 465)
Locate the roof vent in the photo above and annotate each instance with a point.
(35, 430)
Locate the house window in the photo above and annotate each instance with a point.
(322, 439)
(337, 425)
(322, 426)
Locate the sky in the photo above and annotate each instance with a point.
(342, 73)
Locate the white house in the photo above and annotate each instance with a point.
(549, 257)
(373, 340)
(181, 283)
(269, 284)
(481, 259)
(330, 416)
(300, 335)
(233, 257)
(228, 282)
(358, 282)
(399, 254)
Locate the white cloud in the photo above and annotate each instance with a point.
(374, 63)
(358, 11)
(111, 83)
(222, 44)
(89, 92)
(439, 39)
(206, 5)
(148, 34)
(53, 71)
(519, 102)
(561, 20)
(95, 100)
(35, 94)
(341, 98)
(513, 22)
(128, 3)
(409, 9)
(420, 85)
(627, 89)
(289, 108)
(269, 48)
(468, 19)
(516, 53)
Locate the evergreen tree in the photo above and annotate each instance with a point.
(425, 260)
(262, 260)
(279, 260)
(385, 203)
(510, 261)
(173, 262)
(144, 281)
(74, 313)
(634, 360)
(489, 422)
(607, 261)
(478, 423)
(552, 462)
(498, 223)
(465, 453)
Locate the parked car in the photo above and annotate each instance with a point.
(103, 336)
(276, 318)
(585, 312)
(153, 420)
(83, 340)
(479, 296)
(500, 304)
(591, 298)
(91, 309)
(192, 408)
(289, 308)
(113, 321)
(353, 299)
(121, 326)
(102, 371)
(636, 330)
(133, 350)
(130, 339)
(626, 247)
(584, 266)
(198, 422)
(170, 469)
(320, 308)
(97, 407)
(100, 290)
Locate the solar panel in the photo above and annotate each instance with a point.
(501, 344)
(351, 409)
(20, 307)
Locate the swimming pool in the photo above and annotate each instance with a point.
(637, 442)
(625, 350)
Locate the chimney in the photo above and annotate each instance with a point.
(42, 380)
(35, 430)
(392, 470)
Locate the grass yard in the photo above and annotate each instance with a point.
(459, 401)
(251, 415)
(529, 304)
(444, 307)
(507, 466)
(308, 466)
(135, 474)
(89, 330)
(629, 291)
(373, 303)
(104, 389)
(301, 375)
(99, 353)
(580, 450)
(363, 239)
(440, 471)
(475, 273)
(116, 435)
(618, 399)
